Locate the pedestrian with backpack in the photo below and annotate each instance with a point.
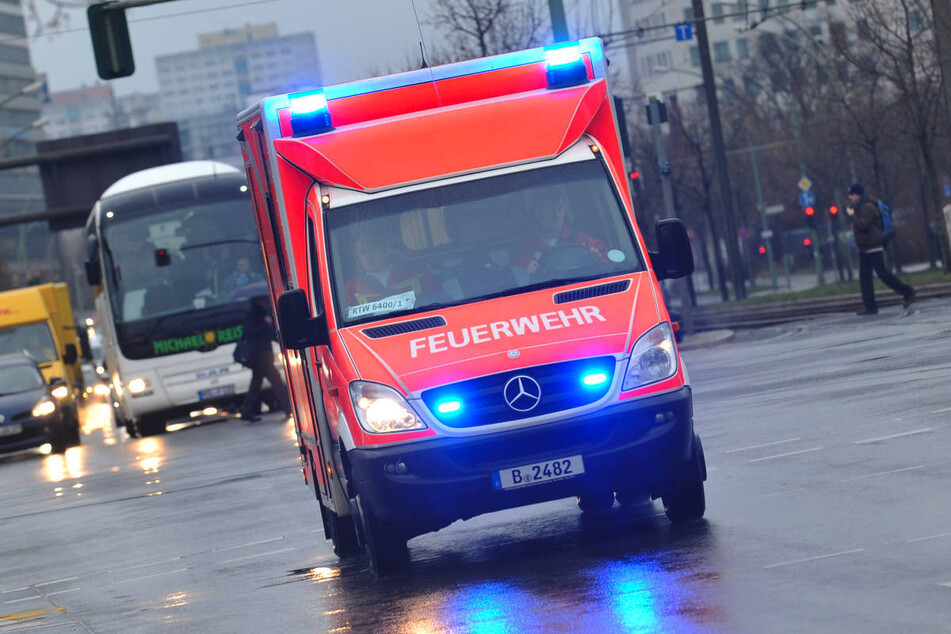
(258, 334)
(869, 227)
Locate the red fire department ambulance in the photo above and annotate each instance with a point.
(470, 317)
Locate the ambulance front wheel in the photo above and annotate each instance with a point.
(384, 544)
(596, 503)
(686, 502)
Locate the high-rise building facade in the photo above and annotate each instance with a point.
(205, 88)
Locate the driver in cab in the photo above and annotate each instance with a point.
(381, 274)
(552, 229)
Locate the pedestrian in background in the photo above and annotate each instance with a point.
(259, 332)
(867, 228)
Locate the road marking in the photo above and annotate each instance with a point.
(159, 574)
(816, 558)
(273, 552)
(15, 590)
(49, 583)
(53, 594)
(263, 541)
(768, 444)
(783, 455)
(26, 615)
(881, 473)
(887, 422)
(145, 565)
(923, 539)
(946, 584)
(914, 432)
(33, 598)
(942, 411)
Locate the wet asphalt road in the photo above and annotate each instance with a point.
(828, 509)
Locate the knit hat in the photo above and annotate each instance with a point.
(856, 188)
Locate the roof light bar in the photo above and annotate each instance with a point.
(565, 65)
(309, 113)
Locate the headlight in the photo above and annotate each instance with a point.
(101, 389)
(653, 358)
(381, 410)
(44, 408)
(137, 386)
(60, 391)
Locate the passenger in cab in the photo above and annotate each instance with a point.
(380, 273)
(242, 275)
(552, 228)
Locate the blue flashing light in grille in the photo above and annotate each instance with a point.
(309, 113)
(565, 66)
(594, 379)
(449, 407)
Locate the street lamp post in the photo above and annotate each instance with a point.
(26, 90)
(37, 123)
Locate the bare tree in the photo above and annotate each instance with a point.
(477, 28)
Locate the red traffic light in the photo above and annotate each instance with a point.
(810, 211)
(635, 175)
(762, 250)
(833, 210)
(807, 242)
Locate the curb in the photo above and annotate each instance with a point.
(706, 339)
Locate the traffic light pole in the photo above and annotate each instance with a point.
(768, 242)
(719, 151)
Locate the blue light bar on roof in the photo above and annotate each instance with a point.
(565, 65)
(309, 113)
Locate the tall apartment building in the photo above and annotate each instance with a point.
(205, 88)
(93, 109)
(22, 247)
(664, 66)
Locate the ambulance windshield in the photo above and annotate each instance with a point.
(483, 238)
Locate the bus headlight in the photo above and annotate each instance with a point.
(138, 387)
(60, 391)
(44, 408)
(653, 358)
(382, 410)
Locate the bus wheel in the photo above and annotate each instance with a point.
(342, 533)
(385, 546)
(686, 501)
(148, 426)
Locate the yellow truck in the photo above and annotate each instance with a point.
(38, 321)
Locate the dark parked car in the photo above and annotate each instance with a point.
(29, 413)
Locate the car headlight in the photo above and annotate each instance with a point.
(137, 386)
(60, 391)
(382, 410)
(101, 389)
(44, 408)
(653, 358)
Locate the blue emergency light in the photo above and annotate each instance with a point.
(594, 379)
(564, 65)
(309, 113)
(449, 407)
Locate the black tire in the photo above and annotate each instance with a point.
(385, 546)
(149, 426)
(687, 502)
(59, 442)
(343, 534)
(596, 503)
(71, 432)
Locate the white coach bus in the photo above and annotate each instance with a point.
(174, 258)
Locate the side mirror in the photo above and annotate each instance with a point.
(674, 257)
(298, 329)
(93, 272)
(70, 354)
(55, 380)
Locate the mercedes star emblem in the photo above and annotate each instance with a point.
(522, 393)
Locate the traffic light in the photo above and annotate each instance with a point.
(810, 212)
(762, 250)
(636, 180)
(807, 242)
(833, 210)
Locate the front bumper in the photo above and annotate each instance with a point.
(641, 445)
(35, 432)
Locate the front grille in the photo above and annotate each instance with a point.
(403, 327)
(588, 292)
(482, 400)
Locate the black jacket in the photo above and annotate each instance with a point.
(867, 225)
(259, 333)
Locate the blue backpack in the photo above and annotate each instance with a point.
(888, 225)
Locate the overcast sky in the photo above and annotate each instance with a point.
(355, 38)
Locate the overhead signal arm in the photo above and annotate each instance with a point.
(110, 36)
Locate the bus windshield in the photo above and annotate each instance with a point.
(33, 339)
(181, 258)
(482, 238)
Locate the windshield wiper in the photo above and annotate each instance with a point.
(537, 286)
(217, 242)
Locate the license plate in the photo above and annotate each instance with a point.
(10, 430)
(214, 392)
(538, 473)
